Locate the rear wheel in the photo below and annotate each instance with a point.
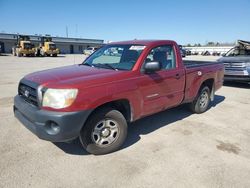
(104, 132)
(13, 52)
(19, 54)
(202, 101)
(37, 52)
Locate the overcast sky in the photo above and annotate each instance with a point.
(189, 21)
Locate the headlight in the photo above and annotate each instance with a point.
(59, 98)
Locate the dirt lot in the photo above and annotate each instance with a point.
(173, 148)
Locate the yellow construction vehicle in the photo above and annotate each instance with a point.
(23, 47)
(47, 47)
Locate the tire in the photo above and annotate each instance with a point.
(54, 55)
(19, 54)
(202, 101)
(104, 132)
(37, 53)
(13, 52)
(42, 53)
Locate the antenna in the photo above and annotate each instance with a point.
(73, 51)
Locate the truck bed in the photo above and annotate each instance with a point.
(207, 69)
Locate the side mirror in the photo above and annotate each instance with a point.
(151, 67)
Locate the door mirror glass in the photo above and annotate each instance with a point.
(152, 66)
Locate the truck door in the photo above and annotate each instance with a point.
(166, 87)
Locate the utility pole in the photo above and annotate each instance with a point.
(76, 34)
(67, 35)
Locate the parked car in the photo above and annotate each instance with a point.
(237, 62)
(89, 50)
(97, 99)
(183, 52)
(188, 52)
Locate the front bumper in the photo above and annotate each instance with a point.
(239, 74)
(49, 125)
(237, 78)
(27, 51)
(52, 52)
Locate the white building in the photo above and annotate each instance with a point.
(66, 45)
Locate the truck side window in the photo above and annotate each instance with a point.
(163, 54)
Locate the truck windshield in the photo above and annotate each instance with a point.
(52, 46)
(238, 52)
(118, 57)
(27, 46)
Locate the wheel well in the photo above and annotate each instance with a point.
(209, 83)
(121, 105)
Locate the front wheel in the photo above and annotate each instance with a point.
(42, 53)
(202, 101)
(104, 132)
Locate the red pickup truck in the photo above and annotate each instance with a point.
(118, 84)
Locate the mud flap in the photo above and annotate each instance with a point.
(212, 94)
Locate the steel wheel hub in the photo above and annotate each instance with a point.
(105, 132)
(203, 99)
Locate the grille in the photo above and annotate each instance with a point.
(28, 93)
(235, 66)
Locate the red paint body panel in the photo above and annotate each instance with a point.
(146, 93)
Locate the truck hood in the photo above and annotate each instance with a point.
(241, 59)
(75, 76)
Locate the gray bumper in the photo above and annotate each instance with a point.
(237, 78)
(48, 125)
(237, 74)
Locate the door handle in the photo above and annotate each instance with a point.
(177, 76)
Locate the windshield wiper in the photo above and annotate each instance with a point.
(87, 64)
(105, 65)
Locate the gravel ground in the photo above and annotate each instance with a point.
(173, 148)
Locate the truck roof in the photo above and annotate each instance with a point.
(145, 42)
